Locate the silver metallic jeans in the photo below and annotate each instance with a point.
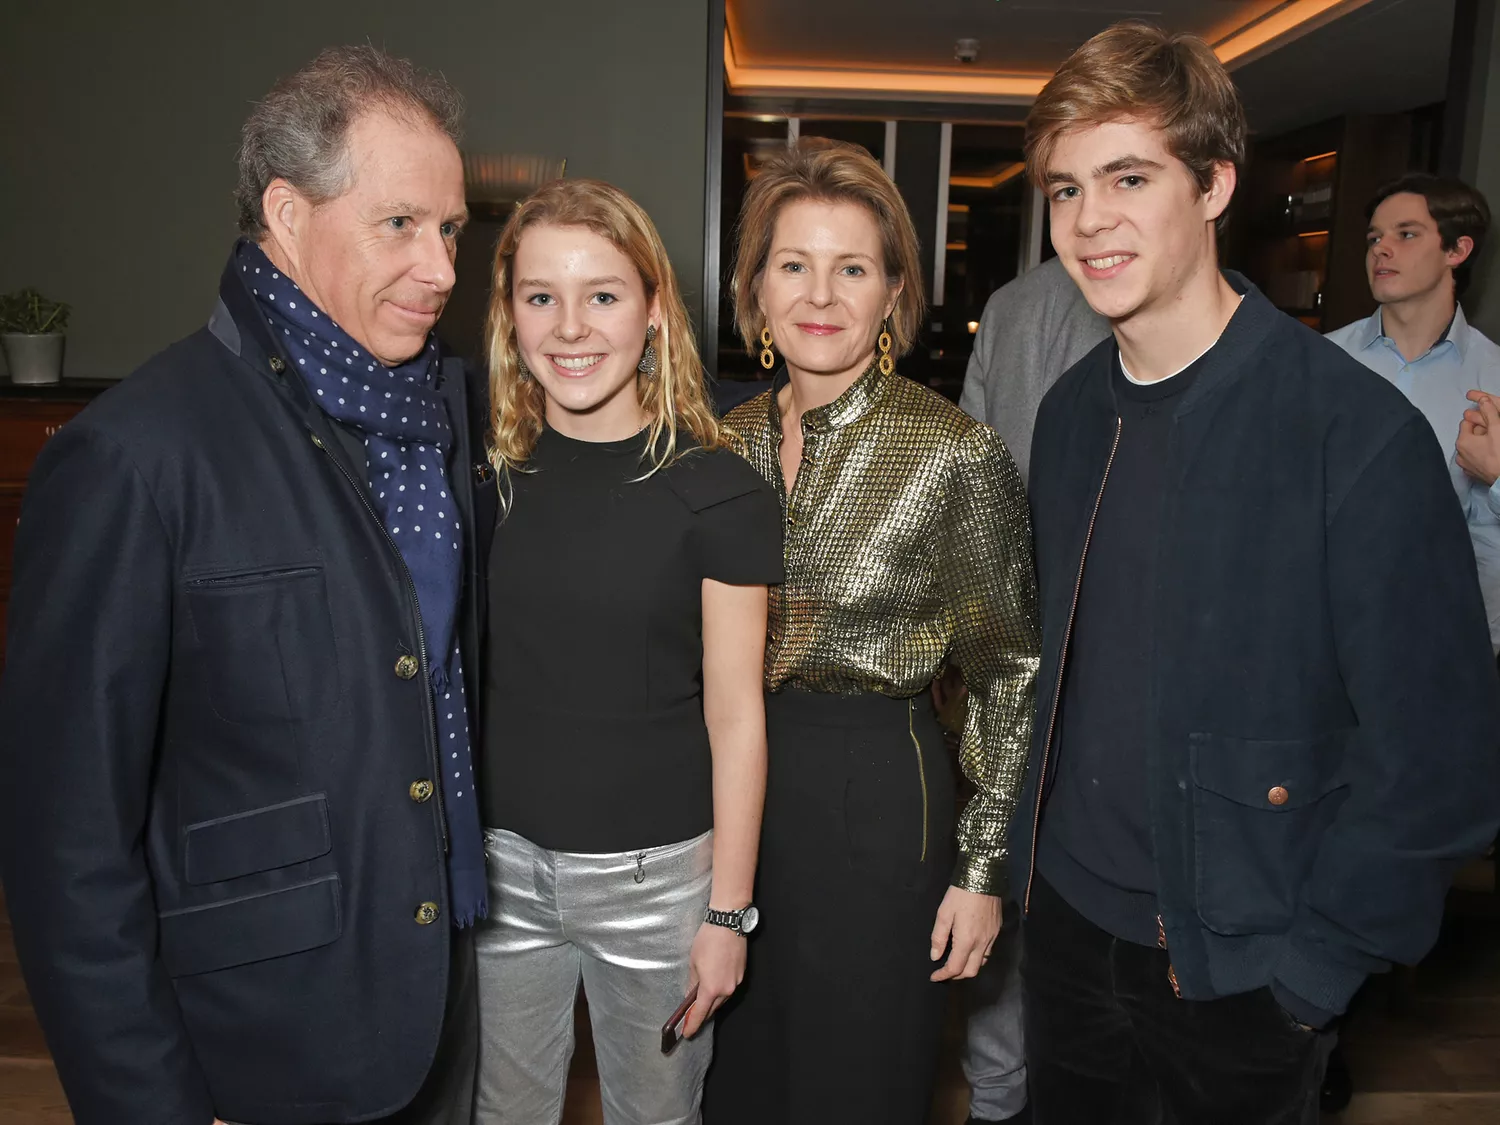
(623, 924)
(994, 1056)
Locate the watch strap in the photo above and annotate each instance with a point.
(729, 919)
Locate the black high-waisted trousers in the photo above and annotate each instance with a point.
(837, 1020)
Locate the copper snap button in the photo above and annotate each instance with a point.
(1278, 796)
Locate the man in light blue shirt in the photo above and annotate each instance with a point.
(1424, 232)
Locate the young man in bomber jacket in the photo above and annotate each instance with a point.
(1267, 711)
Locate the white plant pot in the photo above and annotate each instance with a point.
(34, 360)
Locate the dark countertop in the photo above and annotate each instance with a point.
(69, 390)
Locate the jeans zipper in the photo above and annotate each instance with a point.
(1041, 781)
(911, 727)
(411, 589)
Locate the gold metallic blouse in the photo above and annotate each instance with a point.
(908, 544)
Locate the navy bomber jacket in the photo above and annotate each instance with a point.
(1326, 699)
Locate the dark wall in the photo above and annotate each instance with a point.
(120, 121)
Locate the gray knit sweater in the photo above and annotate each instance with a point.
(1033, 329)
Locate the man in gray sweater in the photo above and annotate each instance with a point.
(1033, 329)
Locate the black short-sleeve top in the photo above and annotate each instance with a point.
(595, 740)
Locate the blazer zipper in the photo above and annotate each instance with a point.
(411, 589)
(1041, 781)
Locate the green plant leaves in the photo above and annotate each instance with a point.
(29, 313)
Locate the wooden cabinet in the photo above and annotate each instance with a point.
(29, 416)
(1298, 219)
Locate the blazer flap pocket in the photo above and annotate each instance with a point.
(259, 840)
(238, 931)
(1277, 775)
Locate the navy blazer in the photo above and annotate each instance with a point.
(1327, 708)
(214, 844)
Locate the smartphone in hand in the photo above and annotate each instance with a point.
(670, 1033)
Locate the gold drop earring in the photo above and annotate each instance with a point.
(887, 364)
(767, 356)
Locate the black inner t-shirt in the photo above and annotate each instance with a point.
(1095, 839)
(595, 739)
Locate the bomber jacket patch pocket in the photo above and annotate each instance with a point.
(259, 840)
(1259, 809)
(239, 931)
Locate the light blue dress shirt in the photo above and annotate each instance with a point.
(1437, 382)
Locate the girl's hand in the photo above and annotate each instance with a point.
(716, 965)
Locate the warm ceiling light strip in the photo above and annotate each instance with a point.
(1320, 156)
(1259, 38)
(917, 85)
(1003, 176)
(1289, 22)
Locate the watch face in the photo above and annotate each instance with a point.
(749, 920)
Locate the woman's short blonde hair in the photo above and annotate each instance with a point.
(829, 172)
(676, 399)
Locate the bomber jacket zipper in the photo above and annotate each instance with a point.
(1062, 660)
(411, 589)
(1161, 943)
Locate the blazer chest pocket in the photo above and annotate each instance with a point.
(1260, 806)
(264, 642)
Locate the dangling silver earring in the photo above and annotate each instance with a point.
(647, 366)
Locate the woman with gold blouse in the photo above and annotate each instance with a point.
(907, 547)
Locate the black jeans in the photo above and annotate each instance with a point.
(837, 1022)
(1109, 1043)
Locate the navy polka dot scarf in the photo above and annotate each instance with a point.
(405, 426)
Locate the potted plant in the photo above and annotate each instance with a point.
(31, 333)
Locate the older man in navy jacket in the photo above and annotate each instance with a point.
(240, 846)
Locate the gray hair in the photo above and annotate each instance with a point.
(300, 131)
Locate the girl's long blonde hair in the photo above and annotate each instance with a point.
(676, 399)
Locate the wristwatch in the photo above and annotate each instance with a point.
(740, 921)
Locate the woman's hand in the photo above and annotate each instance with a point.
(973, 923)
(716, 965)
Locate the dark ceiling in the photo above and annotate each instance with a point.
(1383, 56)
(1016, 36)
(1388, 56)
